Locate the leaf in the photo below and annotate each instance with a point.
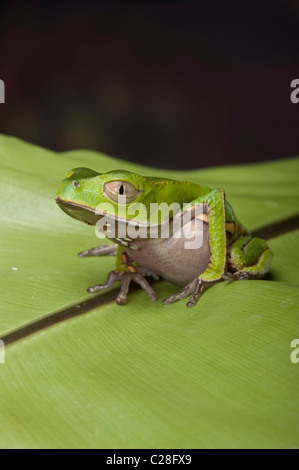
(141, 375)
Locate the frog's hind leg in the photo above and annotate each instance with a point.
(249, 258)
(102, 250)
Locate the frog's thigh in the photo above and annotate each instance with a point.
(250, 255)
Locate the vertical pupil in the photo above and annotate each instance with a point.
(121, 189)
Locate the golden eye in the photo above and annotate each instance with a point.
(121, 191)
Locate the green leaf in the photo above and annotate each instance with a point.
(141, 375)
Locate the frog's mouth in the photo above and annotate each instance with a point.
(81, 212)
(91, 216)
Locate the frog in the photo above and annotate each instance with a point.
(227, 250)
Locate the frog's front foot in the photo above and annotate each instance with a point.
(124, 277)
(197, 286)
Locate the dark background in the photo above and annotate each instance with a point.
(177, 84)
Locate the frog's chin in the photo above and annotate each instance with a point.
(78, 211)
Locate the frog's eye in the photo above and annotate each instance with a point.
(121, 191)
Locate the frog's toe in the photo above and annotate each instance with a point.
(113, 277)
(191, 302)
(101, 250)
(194, 298)
(199, 285)
(139, 279)
(169, 300)
(173, 298)
(93, 289)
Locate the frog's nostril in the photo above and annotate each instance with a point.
(76, 184)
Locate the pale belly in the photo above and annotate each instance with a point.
(170, 258)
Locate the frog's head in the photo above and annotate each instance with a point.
(83, 192)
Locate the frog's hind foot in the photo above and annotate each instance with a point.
(237, 276)
(196, 286)
(124, 277)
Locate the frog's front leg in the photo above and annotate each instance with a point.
(101, 250)
(125, 273)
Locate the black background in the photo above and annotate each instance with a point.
(177, 84)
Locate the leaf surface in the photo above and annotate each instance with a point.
(143, 375)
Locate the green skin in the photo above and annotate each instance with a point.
(228, 250)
